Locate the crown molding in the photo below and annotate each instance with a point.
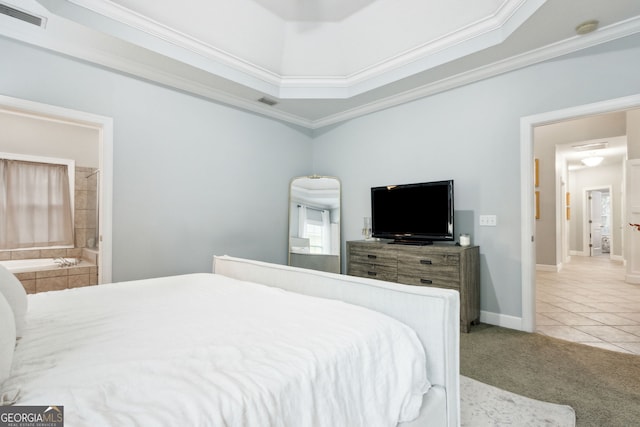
(574, 44)
(474, 37)
(118, 21)
(72, 40)
(66, 44)
(129, 26)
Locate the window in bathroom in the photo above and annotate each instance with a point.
(36, 199)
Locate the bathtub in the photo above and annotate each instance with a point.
(26, 265)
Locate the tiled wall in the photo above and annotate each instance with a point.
(41, 253)
(56, 278)
(86, 196)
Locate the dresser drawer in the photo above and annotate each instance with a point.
(437, 265)
(429, 269)
(429, 280)
(432, 258)
(373, 255)
(374, 271)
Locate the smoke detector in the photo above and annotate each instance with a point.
(587, 27)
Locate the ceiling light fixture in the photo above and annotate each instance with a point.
(592, 161)
(591, 146)
(587, 27)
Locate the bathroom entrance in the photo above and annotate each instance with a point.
(598, 229)
(47, 131)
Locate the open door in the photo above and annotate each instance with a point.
(595, 223)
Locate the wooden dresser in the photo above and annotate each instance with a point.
(443, 266)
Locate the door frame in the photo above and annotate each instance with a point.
(104, 125)
(527, 217)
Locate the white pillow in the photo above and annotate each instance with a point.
(16, 296)
(7, 338)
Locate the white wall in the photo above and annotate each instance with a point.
(41, 137)
(546, 227)
(472, 135)
(192, 178)
(633, 134)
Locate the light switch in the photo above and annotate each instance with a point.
(488, 220)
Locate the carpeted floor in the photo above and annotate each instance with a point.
(602, 386)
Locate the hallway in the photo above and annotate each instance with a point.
(589, 302)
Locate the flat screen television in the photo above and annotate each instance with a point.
(413, 213)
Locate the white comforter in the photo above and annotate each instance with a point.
(207, 350)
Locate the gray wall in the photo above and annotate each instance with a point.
(191, 178)
(472, 135)
(190, 175)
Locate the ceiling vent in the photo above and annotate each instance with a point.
(21, 15)
(591, 146)
(270, 102)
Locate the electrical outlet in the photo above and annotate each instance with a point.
(488, 220)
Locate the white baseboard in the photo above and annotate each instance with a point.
(630, 278)
(612, 257)
(503, 320)
(547, 267)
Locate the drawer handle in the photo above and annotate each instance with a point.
(372, 273)
(426, 261)
(372, 256)
(426, 281)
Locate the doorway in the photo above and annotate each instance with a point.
(583, 298)
(528, 244)
(597, 231)
(104, 127)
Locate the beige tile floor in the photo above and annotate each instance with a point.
(589, 302)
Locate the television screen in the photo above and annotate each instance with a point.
(420, 212)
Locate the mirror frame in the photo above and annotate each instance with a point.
(290, 200)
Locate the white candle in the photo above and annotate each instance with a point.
(465, 240)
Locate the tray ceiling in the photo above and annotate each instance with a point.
(321, 61)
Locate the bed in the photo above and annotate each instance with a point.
(309, 348)
(300, 256)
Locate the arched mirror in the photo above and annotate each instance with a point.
(314, 223)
